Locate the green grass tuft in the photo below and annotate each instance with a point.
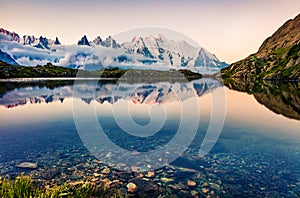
(23, 186)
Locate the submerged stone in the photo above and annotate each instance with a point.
(191, 183)
(166, 180)
(27, 165)
(131, 187)
(49, 173)
(106, 170)
(150, 174)
(146, 188)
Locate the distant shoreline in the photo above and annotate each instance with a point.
(52, 72)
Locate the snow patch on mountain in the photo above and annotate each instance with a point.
(5, 57)
(170, 52)
(208, 59)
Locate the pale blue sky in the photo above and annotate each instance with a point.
(231, 29)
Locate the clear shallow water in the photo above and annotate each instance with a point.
(257, 153)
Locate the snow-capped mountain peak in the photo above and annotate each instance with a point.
(175, 53)
(5, 57)
(207, 59)
(97, 40)
(153, 51)
(43, 43)
(108, 42)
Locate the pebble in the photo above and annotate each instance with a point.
(74, 177)
(205, 190)
(106, 170)
(97, 174)
(215, 186)
(174, 187)
(76, 183)
(150, 174)
(262, 188)
(135, 169)
(166, 180)
(191, 183)
(106, 182)
(27, 165)
(49, 173)
(135, 153)
(94, 179)
(131, 187)
(194, 193)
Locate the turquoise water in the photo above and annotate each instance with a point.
(257, 152)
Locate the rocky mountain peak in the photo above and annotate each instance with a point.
(97, 40)
(12, 35)
(30, 40)
(110, 42)
(84, 41)
(56, 42)
(287, 35)
(43, 43)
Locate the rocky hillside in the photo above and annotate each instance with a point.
(278, 58)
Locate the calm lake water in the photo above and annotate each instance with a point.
(165, 128)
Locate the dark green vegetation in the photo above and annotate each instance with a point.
(11, 71)
(277, 59)
(49, 70)
(136, 76)
(23, 186)
(281, 98)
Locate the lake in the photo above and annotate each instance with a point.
(191, 138)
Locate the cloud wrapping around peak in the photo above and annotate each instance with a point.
(151, 52)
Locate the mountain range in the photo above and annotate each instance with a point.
(150, 52)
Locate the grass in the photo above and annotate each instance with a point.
(23, 186)
(280, 52)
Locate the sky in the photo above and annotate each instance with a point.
(231, 29)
